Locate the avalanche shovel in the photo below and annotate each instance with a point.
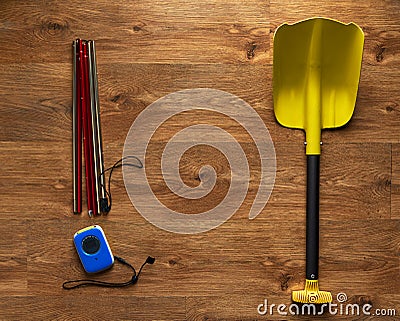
(316, 72)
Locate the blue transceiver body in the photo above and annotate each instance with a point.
(93, 249)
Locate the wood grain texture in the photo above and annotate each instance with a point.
(146, 32)
(272, 259)
(395, 210)
(81, 307)
(146, 50)
(13, 259)
(126, 89)
(234, 307)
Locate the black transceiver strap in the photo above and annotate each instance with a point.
(69, 285)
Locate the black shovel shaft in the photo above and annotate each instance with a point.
(312, 210)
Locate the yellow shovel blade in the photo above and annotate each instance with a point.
(316, 71)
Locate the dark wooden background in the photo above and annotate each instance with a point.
(147, 49)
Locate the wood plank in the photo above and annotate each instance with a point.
(126, 90)
(120, 96)
(78, 306)
(173, 32)
(341, 170)
(368, 118)
(40, 176)
(356, 188)
(239, 257)
(235, 307)
(13, 258)
(395, 192)
(366, 185)
(352, 184)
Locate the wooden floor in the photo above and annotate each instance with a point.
(147, 49)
